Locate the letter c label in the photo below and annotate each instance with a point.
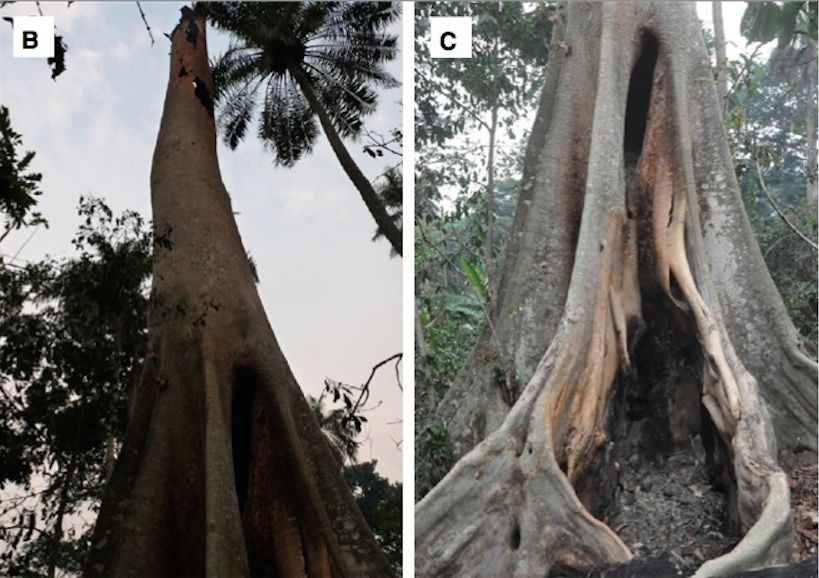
(450, 45)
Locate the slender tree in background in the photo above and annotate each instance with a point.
(306, 60)
(629, 217)
(721, 69)
(224, 470)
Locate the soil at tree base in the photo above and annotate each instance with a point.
(802, 482)
(668, 507)
(672, 518)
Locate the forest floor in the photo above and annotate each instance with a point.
(673, 520)
(803, 503)
(668, 507)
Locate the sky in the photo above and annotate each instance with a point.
(333, 297)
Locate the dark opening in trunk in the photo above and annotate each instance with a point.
(241, 432)
(639, 98)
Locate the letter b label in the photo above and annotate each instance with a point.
(29, 39)
(450, 37)
(33, 37)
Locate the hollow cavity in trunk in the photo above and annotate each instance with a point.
(666, 476)
(663, 481)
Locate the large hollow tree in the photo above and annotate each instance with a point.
(224, 470)
(629, 227)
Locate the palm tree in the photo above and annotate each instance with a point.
(305, 60)
(390, 192)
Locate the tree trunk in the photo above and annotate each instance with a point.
(490, 162)
(490, 198)
(810, 128)
(56, 538)
(721, 58)
(224, 470)
(365, 188)
(630, 228)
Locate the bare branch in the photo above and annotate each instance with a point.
(779, 212)
(145, 20)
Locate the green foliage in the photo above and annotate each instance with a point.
(378, 499)
(766, 21)
(792, 264)
(475, 279)
(764, 121)
(509, 49)
(456, 101)
(74, 334)
(380, 502)
(433, 454)
(340, 47)
(18, 188)
(391, 193)
(340, 431)
(771, 120)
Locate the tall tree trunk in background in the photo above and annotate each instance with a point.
(490, 197)
(224, 470)
(629, 221)
(364, 186)
(490, 162)
(810, 127)
(62, 502)
(423, 379)
(721, 60)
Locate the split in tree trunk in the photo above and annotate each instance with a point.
(630, 233)
(224, 470)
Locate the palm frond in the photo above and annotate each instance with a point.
(342, 47)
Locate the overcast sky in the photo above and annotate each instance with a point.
(332, 296)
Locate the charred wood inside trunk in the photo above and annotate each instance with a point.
(663, 481)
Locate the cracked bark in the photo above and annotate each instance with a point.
(224, 471)
(608, 228)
